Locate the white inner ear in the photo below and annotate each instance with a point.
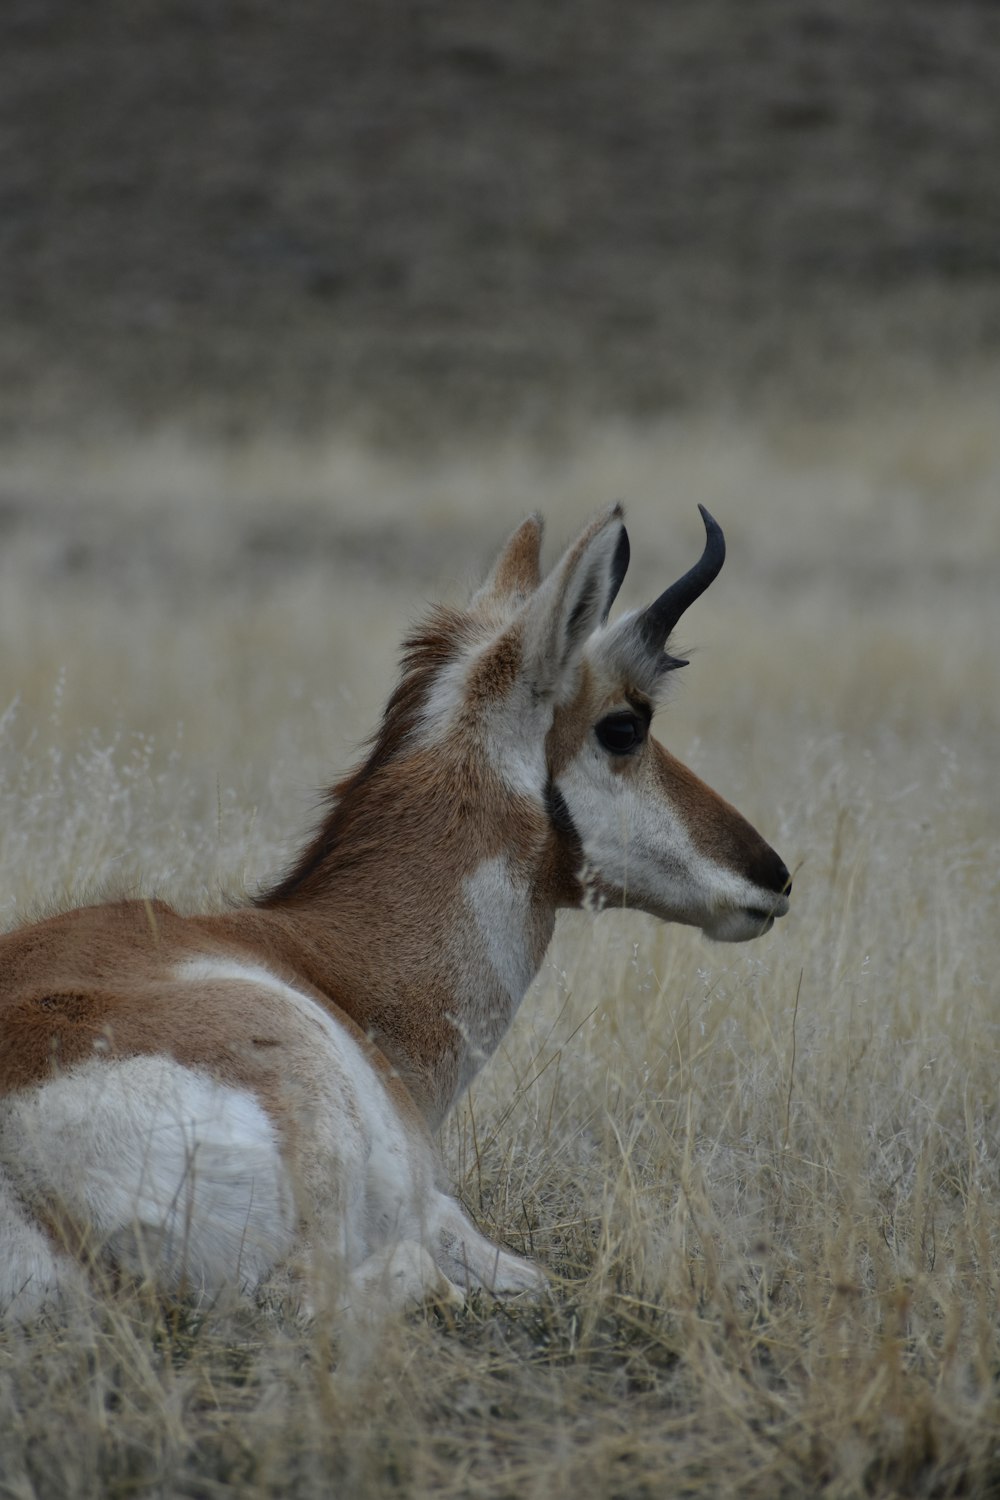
(554, 625)
(567, 609)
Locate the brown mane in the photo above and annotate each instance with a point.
(438, 640)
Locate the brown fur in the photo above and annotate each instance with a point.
(571, 724)
(438, 642)
(415, 917)
(101, 980)
(367, 946)
(492, 677)
(517, 571)
(377, 944)
(370, 920)
(714, 825)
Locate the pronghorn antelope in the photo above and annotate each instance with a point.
(209, 1101)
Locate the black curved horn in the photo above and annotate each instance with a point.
(662, 615)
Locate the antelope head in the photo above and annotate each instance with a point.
(568, 723)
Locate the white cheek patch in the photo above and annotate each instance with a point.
(635, 841)
(631, 843)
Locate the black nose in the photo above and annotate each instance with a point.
(771, 872)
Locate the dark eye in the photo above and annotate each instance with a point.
(620, 733)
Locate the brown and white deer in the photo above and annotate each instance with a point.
(206, 1100)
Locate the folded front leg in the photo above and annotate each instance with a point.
(470, 1260)
(398, 1278)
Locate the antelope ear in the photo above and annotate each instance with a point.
(574, 599)
(517, 571)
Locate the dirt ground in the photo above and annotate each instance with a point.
(412, 218)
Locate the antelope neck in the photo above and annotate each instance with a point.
(431, 964)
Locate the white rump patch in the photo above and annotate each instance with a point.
(363, 1164)
(178, 1175)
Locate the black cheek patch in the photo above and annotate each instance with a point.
(559, 813)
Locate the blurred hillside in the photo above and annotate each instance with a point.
(404, 218)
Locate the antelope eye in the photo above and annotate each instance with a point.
(620, 733)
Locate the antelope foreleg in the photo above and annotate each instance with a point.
(472, 1261)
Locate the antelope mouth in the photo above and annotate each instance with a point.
(764, 918)
(765, 915)
(776, 907)
(741, 924)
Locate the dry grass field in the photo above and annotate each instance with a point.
(765, 1179)
(302, 307)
